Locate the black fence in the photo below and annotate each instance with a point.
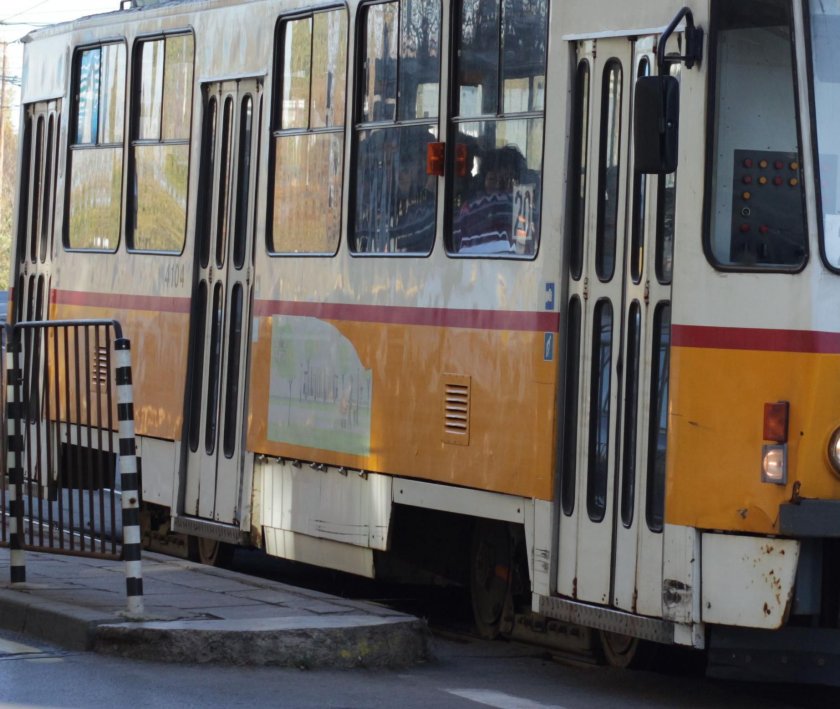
(71, 484)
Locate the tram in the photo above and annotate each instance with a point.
(535, 297)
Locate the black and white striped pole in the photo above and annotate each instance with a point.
(129, 478)
(14, 459)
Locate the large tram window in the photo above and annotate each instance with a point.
(600, 394)
(399, 75)
(756, 216)
(609, 170)
(500, 50)
(571, 386)
(160, 146)
(308, 147)
(580, 146)
(96, 152)
(825, 47)
(658, 424)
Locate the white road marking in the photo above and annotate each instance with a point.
(10, 650)
(500, 700)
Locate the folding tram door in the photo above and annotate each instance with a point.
(215, 401)
(618, 325)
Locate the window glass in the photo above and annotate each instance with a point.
(599, 411)
(160, 174)
(308, 145)
(825, 48)
(243, 192)
(395, 200)
(96, 156)
(112, 94)
(500, 69)
(640, 182)
(523, 55)
(572, 389)
(757, 217)
(87, 106)
(177, 88)
(631, 401)
(329, 73)
(608, 170)
(580, 146)
(379, 87)
(297, 49)
(150, 93)
(658, 425)
(95, 186)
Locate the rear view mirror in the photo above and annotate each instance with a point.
(656, 124)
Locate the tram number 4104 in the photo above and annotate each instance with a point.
(522, 226)
(173, 275)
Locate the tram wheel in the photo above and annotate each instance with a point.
(210, 552)
(491, 570)
(619, 650)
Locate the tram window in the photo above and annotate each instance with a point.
(572, 390)
(608, 170)
(756, 213)
(599, 411)
(308, 146)
(658, 424)
(160, 146)
(631, 402)
(499, 126)
(580, 145)
(96, 152)
(825, 47)
(399, 77)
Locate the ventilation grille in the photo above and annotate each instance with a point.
(99, 370)
(456, 409)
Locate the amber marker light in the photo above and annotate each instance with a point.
(774, 455)
(434, 159)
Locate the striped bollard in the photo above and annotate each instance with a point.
(17, 559)
(129, 479)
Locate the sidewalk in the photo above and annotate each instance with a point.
(196, 613)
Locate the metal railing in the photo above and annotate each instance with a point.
(72, 476)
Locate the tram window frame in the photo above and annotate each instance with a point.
(657, 448)
(464, 162)
(641, 186)
(374, 124)
(337, 96)
(159, 125)
(571, 409)
(609, 142)
(710, 203)
(77, 147)
(601, 385)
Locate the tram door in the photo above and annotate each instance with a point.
(609, 554)
(37, 210)
(215, 400)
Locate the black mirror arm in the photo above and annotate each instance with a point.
(693, 43)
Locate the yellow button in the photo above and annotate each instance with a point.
(762, 164)
(762, 180)
(794, 165)
(746, 195)
(793, 182)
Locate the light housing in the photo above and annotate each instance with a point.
(774, 463)
(834, 451)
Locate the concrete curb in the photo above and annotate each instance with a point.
(340, 642)
(70, 627)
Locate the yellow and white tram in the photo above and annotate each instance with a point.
(406, 293)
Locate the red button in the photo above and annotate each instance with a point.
(745, 228)
(747, 179)
(778, 164)
(764, 228)
(747, 162)
(777, 180)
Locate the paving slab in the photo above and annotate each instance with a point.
(200, 614)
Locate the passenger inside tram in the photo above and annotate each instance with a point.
(485, 223)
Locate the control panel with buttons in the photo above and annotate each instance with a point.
(768, 221)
